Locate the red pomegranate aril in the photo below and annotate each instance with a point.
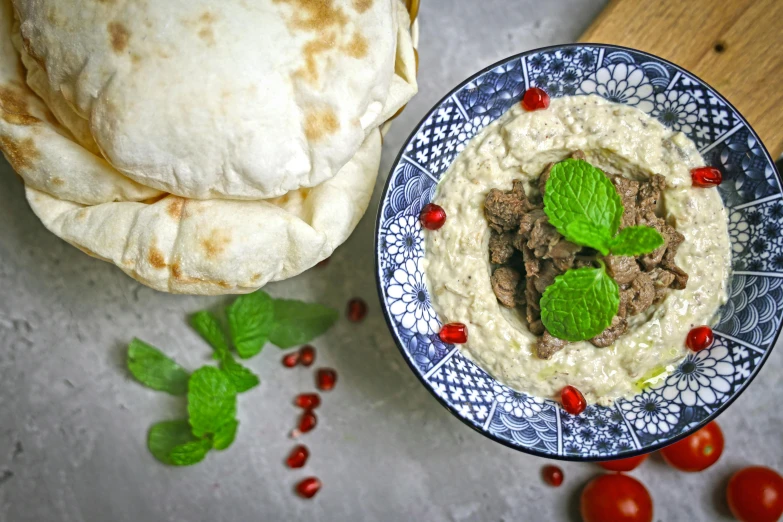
(573, 400)
(323, 263)
(699, 338)
(291, 360)
(454, 333)
(432, 216)
(325, 378)
(535, 99)
(298, 457)
(308, 401)
(306, 355)
(308, 487)
(552, 475)
(706, 177)
(307, 422)
(357, 310)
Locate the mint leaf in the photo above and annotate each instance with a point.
(581, 232)
(209, 328)
(165, 436)
(298, 323)
(251, 320)
(575, 189)
(580, 304)
(241, 377)
(224, 437)
(212, 400)
(635, 241)
(189, 453)
(154, 369)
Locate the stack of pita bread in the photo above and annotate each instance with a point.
(202, 147)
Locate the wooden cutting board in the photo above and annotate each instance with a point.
(734, 45)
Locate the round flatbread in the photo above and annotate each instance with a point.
(245, 100)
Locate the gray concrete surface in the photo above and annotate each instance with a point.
(73, 424)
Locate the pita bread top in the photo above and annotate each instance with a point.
(239, 99)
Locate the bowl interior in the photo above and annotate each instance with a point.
(705, 382)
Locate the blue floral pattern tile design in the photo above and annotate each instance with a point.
(683, 399)
(754, 309)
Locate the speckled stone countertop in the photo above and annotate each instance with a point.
(73, 424)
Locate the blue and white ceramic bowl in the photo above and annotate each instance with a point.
(706, 382)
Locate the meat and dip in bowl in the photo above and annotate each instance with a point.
(569, 253)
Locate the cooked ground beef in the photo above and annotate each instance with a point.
(519, 224)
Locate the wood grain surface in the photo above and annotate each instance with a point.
(736, 46)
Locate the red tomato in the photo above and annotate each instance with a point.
(755, 494)
(696, 452)
(623, 464)
(615, 497)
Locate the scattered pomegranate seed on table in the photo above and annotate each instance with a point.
(699, 338)
(573, 400)
(307, 422)
(298, 457)
(432, 216)
(290, 360)
(552, 475)
(308, 487)
(308, 401)
(535, 99)
(325, 379)
(306, 355)
(706, 177)
(357, 310)
(454, 333)
(323, 263)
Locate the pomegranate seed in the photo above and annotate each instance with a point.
(325, 378)
(706, 177)
(298, 457)
(535, 99)
(291, 360)
(699, 338)
(357, 309)
(307, 422)
(552, 475)
(306, 355)
(308, 401)
(454, 333)
(308, 487)
(573, 400)
(323, 263)
(432, 216)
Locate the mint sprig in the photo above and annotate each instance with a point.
(580, 304)
(153, 369)
(211, 392)
(585, 208)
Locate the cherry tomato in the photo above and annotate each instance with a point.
(615, 497)
(696, 452)
(755, 494)
(623, 464)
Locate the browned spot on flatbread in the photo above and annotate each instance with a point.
(357, 47)
(174, 207)
(362, 5)
(13, 106)
(256, 277)
(58, 181)
(28, 47)
(216, 243)
(156, 259)
(319, 123)
(326, 21)
(81, 214)
(20, 154)
(223, 284)
(119, 36)
(176, 270)
(136, 59)
(207, 35)
(413, 8)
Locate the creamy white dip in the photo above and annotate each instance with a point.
(619, 140)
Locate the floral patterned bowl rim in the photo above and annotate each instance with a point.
(706, 382)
